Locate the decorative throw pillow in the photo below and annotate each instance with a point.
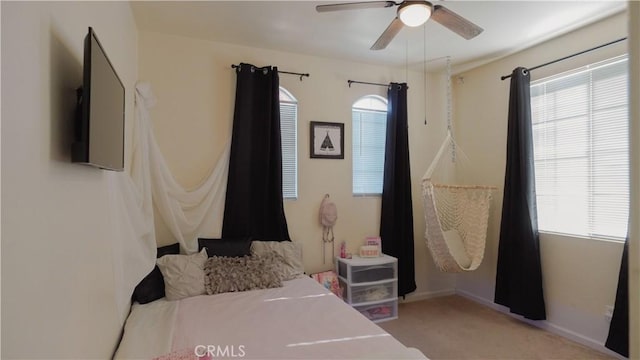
(225, 247)
(290, 252)
(151, 288)
(230, 274)
(183, 275)
(173, 249)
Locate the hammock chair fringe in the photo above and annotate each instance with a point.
(456, 219)
(470, 187)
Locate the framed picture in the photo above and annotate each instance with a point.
(326, 140)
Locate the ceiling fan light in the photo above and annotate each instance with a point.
(414, 14)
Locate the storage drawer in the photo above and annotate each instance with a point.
(362, 274)
(369, 293)
(379, 312)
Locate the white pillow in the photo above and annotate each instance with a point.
(456, 247)
(290, 251)
(183, 274)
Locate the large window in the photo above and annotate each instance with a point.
(289, 131)
(369, 126)
(581, 150)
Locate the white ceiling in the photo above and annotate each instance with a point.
(295, 26)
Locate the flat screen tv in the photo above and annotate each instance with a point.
(100, 112)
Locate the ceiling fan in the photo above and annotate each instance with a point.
(410, 13)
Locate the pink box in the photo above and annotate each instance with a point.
(374, 240)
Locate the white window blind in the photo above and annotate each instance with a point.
(581, 150)
(369, 128)
(288, 132)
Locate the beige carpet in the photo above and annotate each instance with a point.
(452, 327)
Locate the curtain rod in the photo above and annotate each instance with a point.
(234, 66)
(294, 73)
(368, 83)
(569, 56)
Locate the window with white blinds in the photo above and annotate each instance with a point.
(288, 132)
(581, 150)
(369, 128)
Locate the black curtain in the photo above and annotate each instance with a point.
(254, 206)
(519, 275)
(396, 222)
(618, 339)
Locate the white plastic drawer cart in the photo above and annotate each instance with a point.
(370, 285)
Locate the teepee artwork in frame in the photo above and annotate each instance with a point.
(326, 140)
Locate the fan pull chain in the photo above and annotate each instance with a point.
(406, 64)
(449, 106)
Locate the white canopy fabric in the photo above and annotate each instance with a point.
(147, 185)
(184, 212)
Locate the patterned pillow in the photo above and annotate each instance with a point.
(231, 274)
(291, 253)
(183, 275)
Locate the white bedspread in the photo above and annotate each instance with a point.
(301, 320)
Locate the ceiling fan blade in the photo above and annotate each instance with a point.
(355, 6)
(455, 22)
(392, 30)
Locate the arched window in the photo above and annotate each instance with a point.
(289, 135)
(369, 129)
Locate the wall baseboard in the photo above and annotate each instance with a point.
(424, 295)
(544, 325)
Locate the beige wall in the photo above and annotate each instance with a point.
(634, 239)
(579, 275)
(58, 285)
(195, 86)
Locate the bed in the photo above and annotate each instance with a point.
(300, 320)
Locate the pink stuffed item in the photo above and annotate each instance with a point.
(184, 354)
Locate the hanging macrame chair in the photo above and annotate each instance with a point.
(456, 217)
